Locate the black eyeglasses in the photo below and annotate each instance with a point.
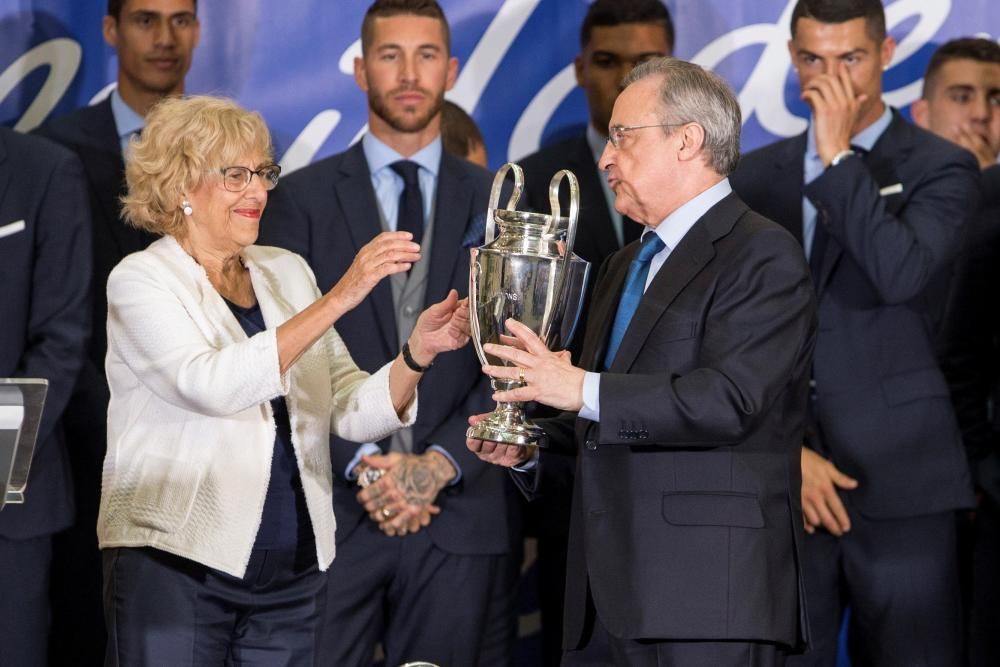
(617, 132)
(237, 179)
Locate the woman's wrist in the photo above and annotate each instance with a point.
(416, 358)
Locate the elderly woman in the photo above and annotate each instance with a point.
(227, 378)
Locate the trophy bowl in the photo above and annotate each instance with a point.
(526, 272)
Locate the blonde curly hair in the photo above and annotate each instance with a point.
(185, 140)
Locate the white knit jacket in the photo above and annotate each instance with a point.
(190, 429)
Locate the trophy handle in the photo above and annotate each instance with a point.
(474, 269)
(515, 196)
(574, 205)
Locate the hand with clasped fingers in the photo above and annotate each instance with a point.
(401, 501)
(821, 504)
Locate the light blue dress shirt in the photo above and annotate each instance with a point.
(388, 187)
(813, 167)
(127, 121)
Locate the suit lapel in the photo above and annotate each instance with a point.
(891, 149)
(690, 256)
(452, 209)
(354, 189)
(604, 306)
(100, 151)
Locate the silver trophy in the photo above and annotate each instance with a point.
(528, 273)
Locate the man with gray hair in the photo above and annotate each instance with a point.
(690, 406)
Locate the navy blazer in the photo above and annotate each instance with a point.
(326, 212)
(90, 132)
(895, 219)
(686, 519)
(971, 340)
(44, 280)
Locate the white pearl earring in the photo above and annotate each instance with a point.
(186, 207)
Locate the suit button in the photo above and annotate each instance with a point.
(591, 445)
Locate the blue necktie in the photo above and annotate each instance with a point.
(410, 215)
(635, 285)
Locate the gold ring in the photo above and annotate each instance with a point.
(386, 513)
(520, 376)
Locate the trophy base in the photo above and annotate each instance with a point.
(498, 428)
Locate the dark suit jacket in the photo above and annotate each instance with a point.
(883, 410)
(45, 276)
(971, 339)
(686, 511)
(326, 212)
(90, 133)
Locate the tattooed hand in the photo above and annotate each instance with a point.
(401, 501)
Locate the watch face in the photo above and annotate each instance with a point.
(369, 476)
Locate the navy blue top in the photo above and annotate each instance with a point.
(285, 523)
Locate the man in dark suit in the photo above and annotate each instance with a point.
(615, 36)
(959, 103)
(153, 40)
(44, 282)
(879, 207)
(685, 525)
(434, 583)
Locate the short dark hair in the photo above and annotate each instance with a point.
(115, 8)
(839, 11)
(606, 13)
(386, 8)
(459, 133)
(965, 48)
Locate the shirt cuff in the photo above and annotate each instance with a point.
(451, 459)
(367, 449)
(591, 397)
(530, 464)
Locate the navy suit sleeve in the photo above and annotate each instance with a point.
(757, 334)
(898, 253)
(59, 320)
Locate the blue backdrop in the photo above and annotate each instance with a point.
(295, 64)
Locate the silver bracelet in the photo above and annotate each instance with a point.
(841, 156)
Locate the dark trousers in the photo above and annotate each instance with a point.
(162, 609)
(984, 612)
(605, 650)
(419, 601)
(24, 600)
(900, 579)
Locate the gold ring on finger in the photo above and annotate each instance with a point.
(520, 376)
(386, 513)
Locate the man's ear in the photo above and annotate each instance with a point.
(360, 76)
(920, 110)
(692, 141)
(109, 29)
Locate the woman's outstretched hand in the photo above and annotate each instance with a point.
(443, 327)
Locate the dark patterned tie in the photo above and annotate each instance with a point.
(410, 214)
(635, 285)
